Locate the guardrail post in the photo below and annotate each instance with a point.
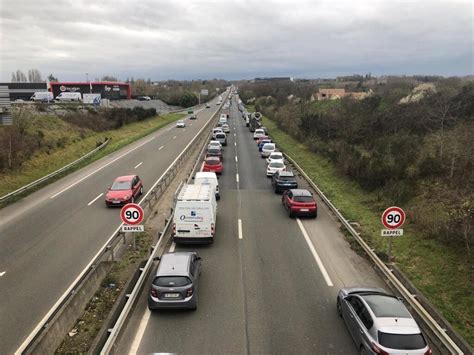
(124, 240)
(111, 250)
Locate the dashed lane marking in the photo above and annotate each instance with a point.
(90, 203)
(136, 166)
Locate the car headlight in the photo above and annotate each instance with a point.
(127, 197)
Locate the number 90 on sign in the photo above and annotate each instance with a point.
(393, 217)
(131, 214)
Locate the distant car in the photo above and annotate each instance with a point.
(226, 128)
(258, 133)
(213, 164)
(221, 137)
(265, 129)
(262, 143)
(284, 180)
(193, 117)
(275, 156)
(214, 144)
(299, 202)
(190, 111)
(380, 323)
(180, 124)
(214, 152)
(267, 149)
(143, 98)
(125, 189)
(176, 282)
(215, 131)
(208, 105)
(275, 166)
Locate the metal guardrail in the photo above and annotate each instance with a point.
(438, 331)
(108, 248)
(54, 173)
(133, 296)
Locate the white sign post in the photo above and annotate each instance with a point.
(392, 218)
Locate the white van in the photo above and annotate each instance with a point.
(194, 217)
(69, 96)
(209, 178)
(43, 96)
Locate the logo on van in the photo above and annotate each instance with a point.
(193, 213)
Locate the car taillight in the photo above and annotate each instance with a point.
(428, 352)
(173, 232)
(189, 292)
(379, 351)
(212, 229)
(154, 293)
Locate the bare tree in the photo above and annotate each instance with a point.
(34, 76)
(19, 77)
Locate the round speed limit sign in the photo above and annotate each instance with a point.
(393, 217)
(131, 214)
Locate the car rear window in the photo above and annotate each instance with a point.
(286, 178)
(402, 341)
(171, 281)
(121, 185)
(220, 135)
(276, 164)
(269, 146)
(304, 199)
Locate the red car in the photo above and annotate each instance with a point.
(125, 189)
(299, 202)
(213, 164)
(259, 140)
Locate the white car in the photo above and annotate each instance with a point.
(275, 156)
(214, 144)
(275, 166)
(225, 127)
(258, 133)
(180, 124)
(215, 131)
(267, 149)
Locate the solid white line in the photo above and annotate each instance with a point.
(2, 273)
(235, 143)
(235, 135)
(236, 159)
(137, 339)
(240, 229)
(99, 169)
(237, 177)
(172, 247)
(160, 148)
(90, 203)
(315, 254)
(136, 166)
(174, 137)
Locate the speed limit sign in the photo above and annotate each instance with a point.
(393, 217)
(131, 214)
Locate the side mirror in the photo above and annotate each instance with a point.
(198, 258)
(193, 177)
(108, 188)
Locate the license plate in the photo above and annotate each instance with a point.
(304, 210)
(115, 201)
(172, 295)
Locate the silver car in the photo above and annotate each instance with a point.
(380, 323)
(176, 282)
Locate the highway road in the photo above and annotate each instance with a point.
(268, 283)
(47, 238)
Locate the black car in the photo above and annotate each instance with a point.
(284, 180)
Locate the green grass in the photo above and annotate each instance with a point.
(78, 143)
(443, 275)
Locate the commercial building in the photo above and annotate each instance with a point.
(23, 91)
(107, 89)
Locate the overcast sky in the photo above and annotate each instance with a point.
(235, 39)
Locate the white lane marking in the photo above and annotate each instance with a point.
(136, 166)
(160, 148)
(137, 339)
(172, 247)
(2, 273)
(174, 137)
(240, 229)
(234, 133)
(90, 203)
(99, 169)
(315, 254)
(236, 159)
(235, 143)
(237, 177)
(184, 129)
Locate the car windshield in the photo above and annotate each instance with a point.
(304, 199)
(171, 281)
(276, 156)
(121, 185)
(269, 146)
(220, 135)
(213, 151)
(259, 131)
(402, 341)
(276, 164)
(212, 161)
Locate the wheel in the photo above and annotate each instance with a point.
(339, 307)
(290, 214)
(315, 215)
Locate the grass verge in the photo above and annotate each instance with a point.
(80, 142)
(443, 275)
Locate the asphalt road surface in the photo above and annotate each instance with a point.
(267, 287)
(47, 238)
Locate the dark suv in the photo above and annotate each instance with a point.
(175, 284)
(284, 180)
